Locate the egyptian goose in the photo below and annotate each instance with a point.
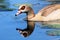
(48, 13)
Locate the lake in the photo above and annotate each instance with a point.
(9, 24)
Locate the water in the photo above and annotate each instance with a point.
(9, 23)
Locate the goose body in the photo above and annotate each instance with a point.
(48, 13)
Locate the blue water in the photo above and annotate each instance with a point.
(9, 23)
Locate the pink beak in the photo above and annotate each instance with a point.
(19, 12)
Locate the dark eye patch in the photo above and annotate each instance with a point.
(23, 7)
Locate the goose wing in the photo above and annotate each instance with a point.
(48, 9)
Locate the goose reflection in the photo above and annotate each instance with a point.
(27, 31)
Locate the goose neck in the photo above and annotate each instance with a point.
(30, 14)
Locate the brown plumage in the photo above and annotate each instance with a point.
(48, 13)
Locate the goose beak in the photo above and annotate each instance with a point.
(19, 12)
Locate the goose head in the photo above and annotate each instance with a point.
(23, 9)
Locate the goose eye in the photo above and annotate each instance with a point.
(23, 7)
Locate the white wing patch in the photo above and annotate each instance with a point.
(54, 15)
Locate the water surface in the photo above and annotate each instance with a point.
(9, 23)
